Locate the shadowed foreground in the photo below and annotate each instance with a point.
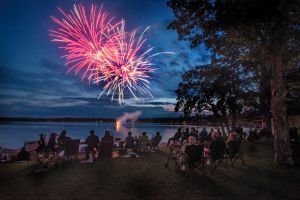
(147, 178)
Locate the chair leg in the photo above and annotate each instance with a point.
(231, 162)
(213, 167)
(203, 167)
(242, 158)
(168, 160)
(226, 164)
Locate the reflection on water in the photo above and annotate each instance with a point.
(13, 135)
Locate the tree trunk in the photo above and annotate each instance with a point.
(227, 125)
(233, 121)
(222, 127)
(282, 145)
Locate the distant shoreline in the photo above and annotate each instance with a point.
(166, 121)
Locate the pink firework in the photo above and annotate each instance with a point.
(127, 67)
(83, 35)
(106, 54)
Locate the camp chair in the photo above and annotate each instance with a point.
(233, 151)
(217, 155)
(106, 148)
(45, 156)
(175, 154)
(194, 157)
(71, 148)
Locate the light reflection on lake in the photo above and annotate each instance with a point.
(13, 135)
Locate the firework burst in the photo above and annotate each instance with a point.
(107, 54)
(127, 68)
(82, 35)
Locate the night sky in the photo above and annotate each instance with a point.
(33, 78)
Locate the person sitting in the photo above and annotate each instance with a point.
(155, 141)
(61, 140)
(209, 136)
(194, 152)
(92, 142)
(186, 134)
(231, 138)
(137, 143)
(233, 144)
(176, 137)
(106, 146)
(240, 132)
(217, 147)
(144, 140)
(194, 133)
(23, 155)
(203, 135)
(52, 142)
(252, 135)
(41, 143)
(129, 141)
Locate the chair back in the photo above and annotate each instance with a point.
(234, 147)
(71, 147)
(194, 153)
(217, 149)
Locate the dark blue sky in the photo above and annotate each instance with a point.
(33, 77)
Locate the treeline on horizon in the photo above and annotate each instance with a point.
(198, 119)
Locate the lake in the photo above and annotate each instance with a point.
(13, 135)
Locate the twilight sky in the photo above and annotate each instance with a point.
(33, 78)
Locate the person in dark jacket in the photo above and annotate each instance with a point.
(106, 146)
(41, 143)
(155, 141)
(217, 146)
(129, 141)
(92, 142)
(52, 142)
(176, 137)
(61, 140)
(203, 135)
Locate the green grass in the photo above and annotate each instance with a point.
(147, 178)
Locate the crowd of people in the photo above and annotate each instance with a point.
(94, 147)
(103, 148)
(190, 146)
(202, 137)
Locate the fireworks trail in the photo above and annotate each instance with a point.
(108, 55)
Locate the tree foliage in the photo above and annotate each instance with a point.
(218, 88)
(263, 33)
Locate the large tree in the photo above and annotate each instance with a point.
(268, 26)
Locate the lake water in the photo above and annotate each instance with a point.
(13, 135)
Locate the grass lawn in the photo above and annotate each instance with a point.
(147, 178)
